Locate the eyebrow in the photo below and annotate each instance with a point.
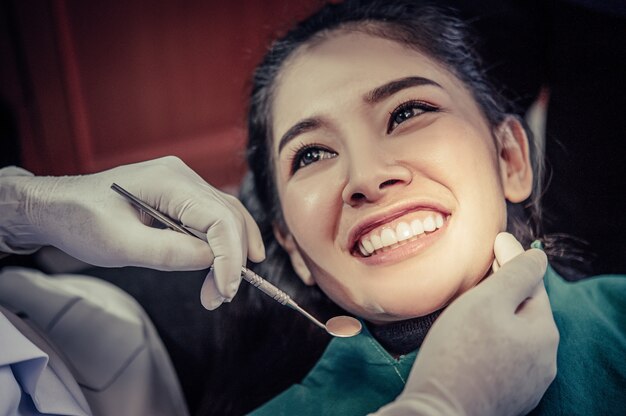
(374, 96)
(384, 91)
(300, 127)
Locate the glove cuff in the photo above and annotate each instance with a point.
(22, 197)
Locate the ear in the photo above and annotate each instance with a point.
(514, 160)
(285, 239)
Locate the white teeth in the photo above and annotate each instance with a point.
(438, 220)
(376, 242)
(388, 237)
(403, 231)
(429, 224)
(367, 245)
(417, 227)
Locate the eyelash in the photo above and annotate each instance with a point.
(422, 106)
(300, 152)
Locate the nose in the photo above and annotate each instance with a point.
(371, 177)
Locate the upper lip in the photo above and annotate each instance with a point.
(374, 220)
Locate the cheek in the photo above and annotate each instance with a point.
(450, 144)
(310, 212)
(472, 165)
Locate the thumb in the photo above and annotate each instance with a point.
(506, 247)
(517, 280)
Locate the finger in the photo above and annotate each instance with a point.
(256, 249)
(241, 224)
(178, 165)
(164, 249)
(506, 247)
(495, 266)
(517, 279)
(210, 296)
(224, 237)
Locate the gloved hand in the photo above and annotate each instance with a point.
(493, 350)
(82, 216)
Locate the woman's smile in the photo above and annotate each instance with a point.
(377, 236)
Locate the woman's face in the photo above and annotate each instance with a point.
(390, 180)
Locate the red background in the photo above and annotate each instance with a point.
(95, 84)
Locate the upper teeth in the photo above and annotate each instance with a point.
(403, 231)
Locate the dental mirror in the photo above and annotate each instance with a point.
(339, 326)
(343, 326)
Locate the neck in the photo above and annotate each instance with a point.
(403, 337)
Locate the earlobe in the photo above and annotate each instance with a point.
(514, 158)
(285, 239)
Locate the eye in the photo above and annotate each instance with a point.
(309, 154)
(408, 110)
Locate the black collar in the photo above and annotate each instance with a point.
(403, 337)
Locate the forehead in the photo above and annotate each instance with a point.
(342, 68)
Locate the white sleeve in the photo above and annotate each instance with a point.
(11, 217)
(104, 336)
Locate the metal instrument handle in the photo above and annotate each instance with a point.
(265, 286)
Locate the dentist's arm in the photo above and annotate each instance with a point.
(82, 216)
(493, 350)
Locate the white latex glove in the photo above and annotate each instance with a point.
(84, 217)
(493, 350)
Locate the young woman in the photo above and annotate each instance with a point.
(383, 167)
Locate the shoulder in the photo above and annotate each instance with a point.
(597, 297)
(590, 313)
(591, 317)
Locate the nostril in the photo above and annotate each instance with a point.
(358, 196)
(388, 183)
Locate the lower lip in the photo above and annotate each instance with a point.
(404, 251)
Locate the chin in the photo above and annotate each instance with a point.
(394, 316)
(399, 308)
